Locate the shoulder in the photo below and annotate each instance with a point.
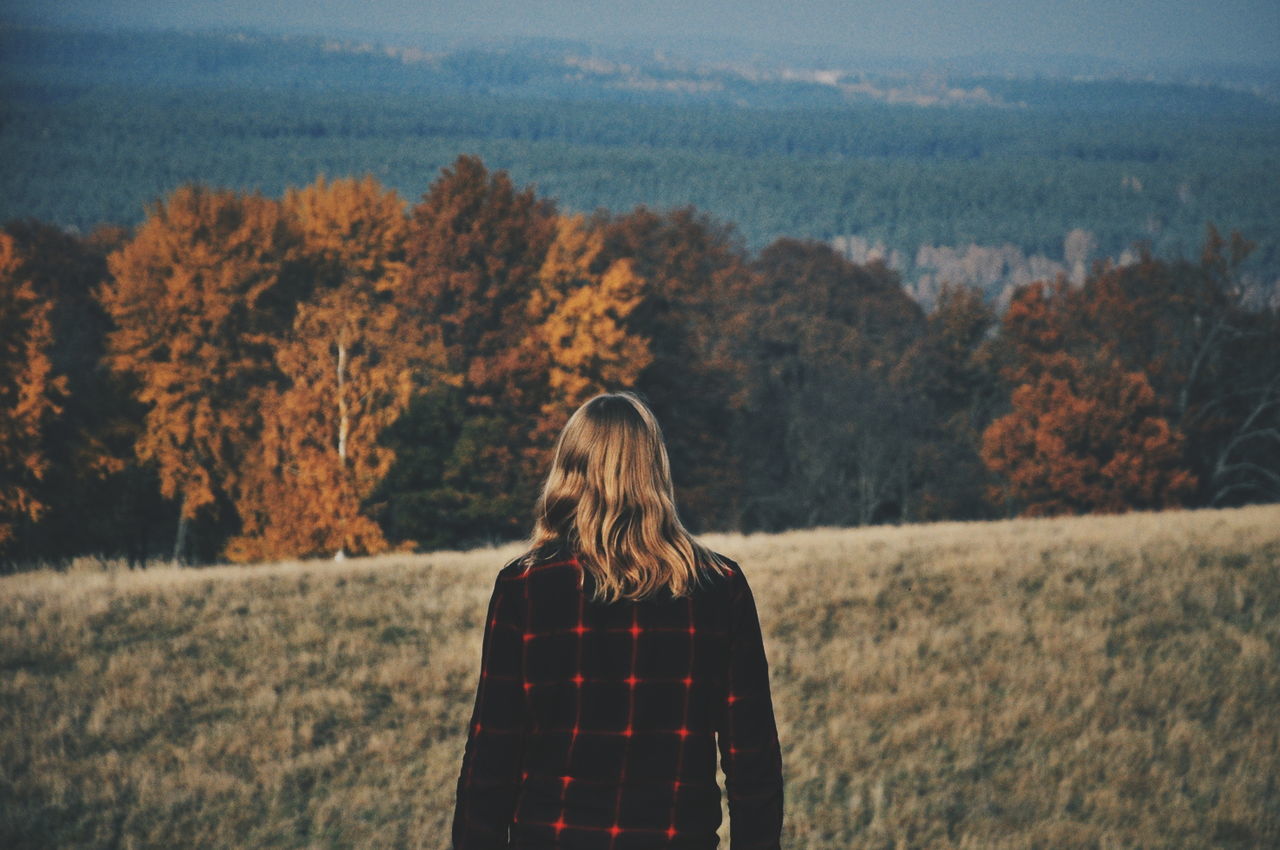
(728, 576)
(724, 566)
(728, 562)
(513, 571)
(538, 561)
(736, 584)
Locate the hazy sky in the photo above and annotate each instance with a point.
(1142, 30)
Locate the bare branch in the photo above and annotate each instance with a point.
(1249, 466)
(1220, 494)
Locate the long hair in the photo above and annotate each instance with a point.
(609, 500)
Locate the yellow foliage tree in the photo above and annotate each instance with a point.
(197, 298)
(353, 228)
(583, 316)
(347, 374)
(29, 391)
(578, 315)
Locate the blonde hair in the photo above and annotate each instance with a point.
(609, 500)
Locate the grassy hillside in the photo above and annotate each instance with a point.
(1094, 682)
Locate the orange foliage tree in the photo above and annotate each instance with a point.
(198, 297)
(347, 372)
(30, 392)
(1208, 351)
(1085, 433)
(468, 447)
(1086, 437)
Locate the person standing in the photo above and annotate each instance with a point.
(619, 654)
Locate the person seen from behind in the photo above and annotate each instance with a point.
(619, 654)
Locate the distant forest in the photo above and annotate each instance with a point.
(1007, 177)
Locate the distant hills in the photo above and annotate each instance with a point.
(566, 67)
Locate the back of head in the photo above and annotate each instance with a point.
(609, 498)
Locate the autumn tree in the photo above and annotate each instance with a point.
(99, 499)
(830, 438)
(951, 372)
(1086, 432)
(30, 392)
(475, 247)
(696, 277)
(1187, 328)
(1226, 393)
(346, 373)
(1086, 436)
(578, 316)
(198, 298)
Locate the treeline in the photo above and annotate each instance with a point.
(337, 372)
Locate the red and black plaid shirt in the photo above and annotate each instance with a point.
(596, 726)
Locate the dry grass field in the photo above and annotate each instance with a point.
(1097, 682)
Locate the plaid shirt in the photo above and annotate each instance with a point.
(596, 726)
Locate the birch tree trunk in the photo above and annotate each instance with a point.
(344, 424)
(180, 538)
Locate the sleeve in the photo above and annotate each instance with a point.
(750, 754)
(491, 762)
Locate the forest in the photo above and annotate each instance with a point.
(98, 125)
(338, 371)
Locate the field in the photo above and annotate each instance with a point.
(1097, 682)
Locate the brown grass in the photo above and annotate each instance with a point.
(1098, 682)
